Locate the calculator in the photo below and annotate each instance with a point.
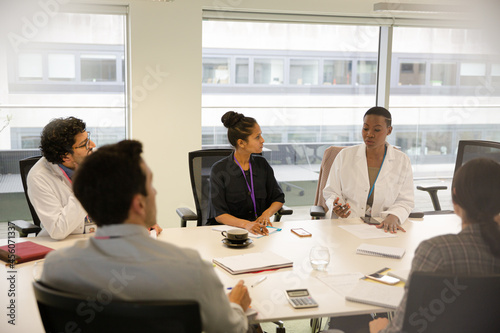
(300, 298)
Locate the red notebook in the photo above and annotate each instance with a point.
(25, 251)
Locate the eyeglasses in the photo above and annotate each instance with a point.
(86, 144)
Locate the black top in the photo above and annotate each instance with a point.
(229, 192)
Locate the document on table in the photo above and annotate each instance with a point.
(224, 227)
(342, 284)
(252, 262)
(376, 294)
(366, 231)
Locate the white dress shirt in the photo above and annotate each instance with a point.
(348, 180)
(51, 194)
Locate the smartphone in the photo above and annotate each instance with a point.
(383, 278)
(300, 298)
(301, 232)
(370, 220)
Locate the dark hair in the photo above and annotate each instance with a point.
(58, 137)
(476, 188)
(380, 111)
(107, 180)
(238, 126)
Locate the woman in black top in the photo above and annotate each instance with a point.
(243, 190)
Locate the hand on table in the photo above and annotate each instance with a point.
(378, 324)
(239, 295)
(341, 210)
(157, 228)
(256, 228)
(391, 224)
(264, 220)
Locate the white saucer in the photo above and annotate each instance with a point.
(244, 244)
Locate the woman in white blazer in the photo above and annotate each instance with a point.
(372, 179)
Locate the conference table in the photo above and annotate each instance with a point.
(268, 297)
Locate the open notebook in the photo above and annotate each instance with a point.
(252, 262)
(381, 251)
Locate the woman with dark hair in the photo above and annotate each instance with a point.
(372, 179)
(243, 190)
(476, 249)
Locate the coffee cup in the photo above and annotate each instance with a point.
(237, 236)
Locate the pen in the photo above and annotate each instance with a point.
(259, 281)
(277, 229)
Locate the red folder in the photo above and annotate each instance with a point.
(24, 252)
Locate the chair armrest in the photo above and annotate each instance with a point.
(431, 188)
(317, 211)
(416, 214)
(24, 227)
(285, 210)
(186, 214)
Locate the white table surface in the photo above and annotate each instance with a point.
(268, 297)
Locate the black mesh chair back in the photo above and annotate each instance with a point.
(471, 149)
(25, 165)
(200, 164)
(448, 303)
(61, 312)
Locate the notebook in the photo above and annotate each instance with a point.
(24, 252)
(252, 262)
(376, 294)
(381, 251)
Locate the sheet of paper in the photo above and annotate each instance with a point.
(366, 231)
(342, 284)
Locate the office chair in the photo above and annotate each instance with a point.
(451, 303)
(319, 209)
(61, 312)
(467, 150)
(24, 227)
(200, 164)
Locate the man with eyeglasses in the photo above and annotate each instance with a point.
(65, 143)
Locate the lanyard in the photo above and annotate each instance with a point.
(250, 187)
(373, 186)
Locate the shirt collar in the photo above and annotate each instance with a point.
(67, 170)
(121, 230)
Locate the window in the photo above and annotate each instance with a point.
(71, 69)
(30, 66)
(304, 71)
(61, 67)
(471, 74)
(216, 70)
(411, 73)
(443, 74)
(367, 72)
(337, 72)
(98, 68)
(268, 71)
(242, 70)
(305, 93)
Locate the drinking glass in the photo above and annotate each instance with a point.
(319, 257)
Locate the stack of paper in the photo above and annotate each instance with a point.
(252, 262)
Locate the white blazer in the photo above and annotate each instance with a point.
(348, 180)
(51, 194)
